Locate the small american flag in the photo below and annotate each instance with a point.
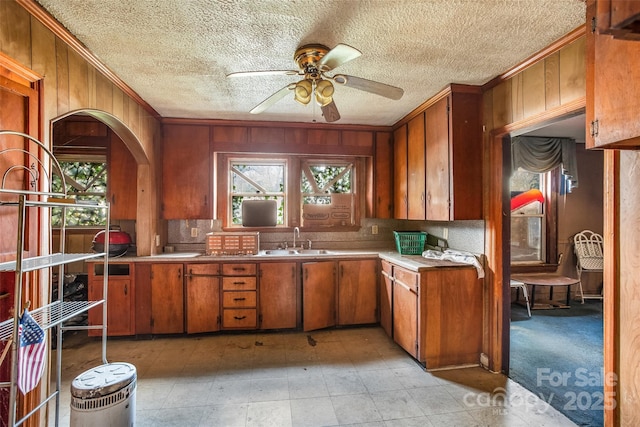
(31, 353)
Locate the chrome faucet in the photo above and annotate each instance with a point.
(296, 230)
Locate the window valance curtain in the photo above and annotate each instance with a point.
(542, 154)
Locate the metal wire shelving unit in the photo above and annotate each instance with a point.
(54, 314)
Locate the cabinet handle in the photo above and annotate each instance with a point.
(125, 290)
(238, 283)
(179, 273)
(407, 287)
(239, 299)
(239, 269)
(239, 317)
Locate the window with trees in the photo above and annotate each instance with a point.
(85, 181)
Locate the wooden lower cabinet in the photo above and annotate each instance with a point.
(239, 296)
(318, 295)
(167, 298)
(357, 292)
(436, 314)
(278, 295)
(386, 300)
(405, 311)
(202, 289)
(120, 299)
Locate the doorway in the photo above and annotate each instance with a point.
(558, 353)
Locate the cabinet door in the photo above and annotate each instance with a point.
(437, 170)
(357, 292)
(452, 314)
(167, 299)
(186, 173)
(416, 168)
(400, 173)
(613, 87)
(405, 314)
(122, 180)
(203, 303)
(120, 307)
(386, 301)
(383, 176)
(318, 295)
(624, 16)
(278, 296)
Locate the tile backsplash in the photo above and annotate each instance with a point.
(189, 235)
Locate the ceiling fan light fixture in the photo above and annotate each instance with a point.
(302, 91)
(324, 92)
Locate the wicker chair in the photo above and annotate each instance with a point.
(589, 251)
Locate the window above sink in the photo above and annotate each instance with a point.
(311, 191)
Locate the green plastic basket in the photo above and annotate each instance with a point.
(410, 242)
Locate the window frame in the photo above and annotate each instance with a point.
(293, 205)
(256, 160)
(549, 262)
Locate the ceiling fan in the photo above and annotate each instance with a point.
(314, 62)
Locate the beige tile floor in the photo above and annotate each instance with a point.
(341, 377)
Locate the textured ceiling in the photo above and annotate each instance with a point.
(176, 53)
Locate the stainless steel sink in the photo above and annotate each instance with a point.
(289, 252)
(278, 252)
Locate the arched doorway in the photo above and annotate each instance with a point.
(102, 145)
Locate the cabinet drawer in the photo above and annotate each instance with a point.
(239, 318)
(238, 269)
(238, 283)
(407, 278)
(204, 269)
(240, 299)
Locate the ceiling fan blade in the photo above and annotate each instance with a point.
(370, 86)
(337, 56)
(272, 99)
(330, 112)
(264, 73)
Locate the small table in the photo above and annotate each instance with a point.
(546, 279)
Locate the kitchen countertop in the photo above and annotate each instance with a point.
(410, 262)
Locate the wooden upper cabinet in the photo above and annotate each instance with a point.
(613, 83)
(383, 176)
(416, 168)
(187, 173)
(620, 18)
(122, 180)
(453, 139)
(400, 173)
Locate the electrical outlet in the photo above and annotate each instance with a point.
(194, 232)
(157, 240)
(374, 229)
(445, 233)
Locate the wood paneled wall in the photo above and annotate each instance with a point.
(555, 81)
(73, 84)
(549, 85)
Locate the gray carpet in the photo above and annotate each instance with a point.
(558, 355)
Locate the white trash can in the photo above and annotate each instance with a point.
(104, 396)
